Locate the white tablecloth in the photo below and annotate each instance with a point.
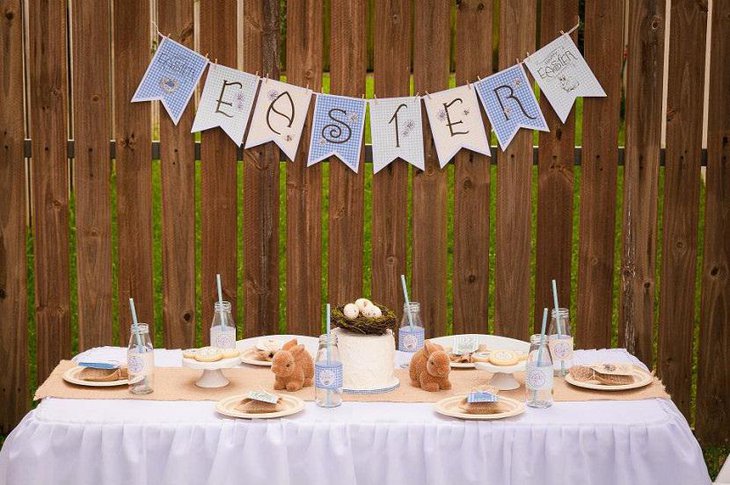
(153, 442)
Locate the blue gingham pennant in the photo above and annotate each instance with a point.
(397, 131)
(563, 75)
(456, 122)
(338, 127)
(171, 77)
(226, 101)
(510, 103)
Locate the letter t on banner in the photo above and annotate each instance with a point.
(338, 128)
(510, 103)
(397, 131)
(456, 122)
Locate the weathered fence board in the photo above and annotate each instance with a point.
(604, 47)
(13, 292)
(645, 70)
(219, 191)
(554, 242)
(177, 166)
(133, 165)
(514, 183)
(304, 185)
(48, 91)
(393, 26)
(681, 198)
(261, 182)
(430, 73)
(713, 376)
(346, 188)
(471, 186)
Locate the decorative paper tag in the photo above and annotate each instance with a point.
(279, 116)
(481, 396)
(328, 375)
(396, 129)
(456, 122)
(465, 344)
(510, 103)
(100, 365)
(561, 348)
(135, 363)
(263, 396)
(563, 75)
(339, 124)
(171, 77)
(538, 378)
(410, 340)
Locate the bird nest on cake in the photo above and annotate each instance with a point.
(364, 325)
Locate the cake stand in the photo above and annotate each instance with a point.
(212, 376)
(502, 375)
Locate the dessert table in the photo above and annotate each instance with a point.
(178, 442)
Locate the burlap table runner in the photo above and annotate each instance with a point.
(178, 384)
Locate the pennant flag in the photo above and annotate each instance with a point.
(171, 77)
(456, 122)
(510, 103)
(397, 131)
(226, 101)
(279, 116)
(563, 75)
(338, 128)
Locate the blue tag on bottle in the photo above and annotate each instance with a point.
(328, 375)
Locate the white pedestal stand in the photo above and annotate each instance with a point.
(212, 376)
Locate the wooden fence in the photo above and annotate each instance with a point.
(68, 71)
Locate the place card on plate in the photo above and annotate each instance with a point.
(100, 365)
(465, 344)
(263, 396)
(481, 396)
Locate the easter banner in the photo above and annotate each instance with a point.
(171, 77)
(397, 131)
(339, 123)
(226, 101)
(563, 75)
(279, 116)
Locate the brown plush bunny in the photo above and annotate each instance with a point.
(430, 368)
(293, 367)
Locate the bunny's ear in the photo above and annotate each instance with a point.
(289, 344)
(297, 349)
(429, 347)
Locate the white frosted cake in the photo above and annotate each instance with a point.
(368, 361)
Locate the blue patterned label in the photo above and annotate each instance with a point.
(481, 396)
(328, 375)
(410, 339)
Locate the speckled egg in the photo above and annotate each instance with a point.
(363, 303)
(351, 311)
(372, 311)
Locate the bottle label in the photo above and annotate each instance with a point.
(225, 340)
(328, 375)
(561, 348)
(410, 340)
(538, 378)
(135, 363)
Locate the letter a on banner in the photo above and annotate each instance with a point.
(456, 122)
(279, 116)
(171, 77)
(226, 101)
(338, 128)
(397, 131)
(563, 75)
(510, 103)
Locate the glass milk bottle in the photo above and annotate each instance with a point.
(539, 375)
(223, 328)
(560, 342)
(328, 373)
(140, 360)
(410, 334)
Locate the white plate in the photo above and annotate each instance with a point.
(493, 342)
(246, 346)
(226, 407)
(641, 378)
(218, 364)
(450, 407)
(71, 376)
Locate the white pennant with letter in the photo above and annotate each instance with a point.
(397, 131)
(279, 116)
(456, 122)
(226, 101)
(563, 75)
